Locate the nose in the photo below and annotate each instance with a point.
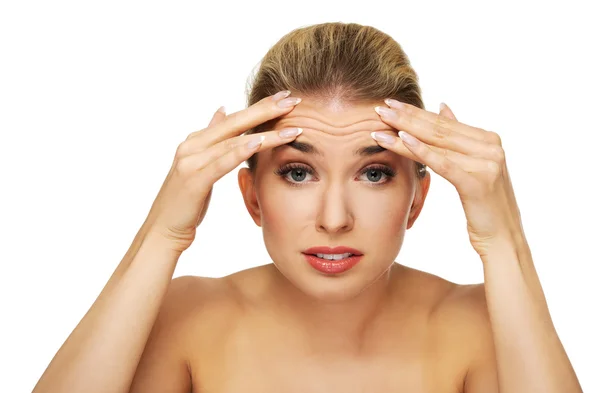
(334, 215)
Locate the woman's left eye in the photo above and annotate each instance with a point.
(375, 173)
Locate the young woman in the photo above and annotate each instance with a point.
(334, 186)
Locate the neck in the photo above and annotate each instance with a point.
(336, 325)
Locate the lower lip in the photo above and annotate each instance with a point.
(333, 267)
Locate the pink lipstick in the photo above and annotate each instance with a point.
(332, 260)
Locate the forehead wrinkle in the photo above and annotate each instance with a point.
(307, 147)
(307, 122)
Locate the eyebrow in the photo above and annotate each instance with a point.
(304, 147)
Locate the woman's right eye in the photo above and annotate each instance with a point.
(294, 173)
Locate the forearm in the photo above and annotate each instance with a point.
(530, 357)
(102, 353)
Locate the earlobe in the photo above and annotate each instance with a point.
(246, 184)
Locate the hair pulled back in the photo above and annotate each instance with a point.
(349, 62)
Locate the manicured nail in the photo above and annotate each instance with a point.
(408, 139)
(281, 94)
(290, 132)
(221, 109)
(394, 103)
(385, 112)
(289, 102)
(381, 137)
(442, 106)
(255, 142)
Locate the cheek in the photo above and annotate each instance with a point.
(284, 209)
(382, 211)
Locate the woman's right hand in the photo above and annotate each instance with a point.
(206, 156)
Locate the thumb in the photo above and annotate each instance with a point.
(218, 116)
(446, 112)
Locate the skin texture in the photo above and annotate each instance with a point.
(286, 327)
(336, 205)
(379, 327)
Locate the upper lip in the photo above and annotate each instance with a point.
(331, 250)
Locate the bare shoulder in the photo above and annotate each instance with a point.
(449, 301)
(464, 307)
(463, 320)
(180, 326)
(199, 302)
(194, 300)
(427, 288)
(188, 302)
(210, 305)
(459, 323)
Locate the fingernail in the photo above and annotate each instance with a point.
(289, 102)
(290, 132)
(221, 109)
(255, 142)
(281, 94)
(442, 106)
(394, 103)
(381, 137)
(385, 112)
(408, 139)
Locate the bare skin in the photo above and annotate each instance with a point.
(286, 327)
(423, 339)
(283, 326)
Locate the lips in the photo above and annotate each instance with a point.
(331, 250)
(328, 266)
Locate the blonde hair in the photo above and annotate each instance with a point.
(342, 61)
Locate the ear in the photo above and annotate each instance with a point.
(246, 183)
(419, 201)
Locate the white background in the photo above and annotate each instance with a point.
(95, 98)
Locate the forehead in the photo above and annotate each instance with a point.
(334, 118)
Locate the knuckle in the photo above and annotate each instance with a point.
(440, 128)
(230, 143)
(185, 166)
(445, 153)
(182, 149)
(195, 133)
(493, 138)
(445, 166)
(494, 168)
(497, 153)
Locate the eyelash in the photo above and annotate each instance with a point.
(287, 168)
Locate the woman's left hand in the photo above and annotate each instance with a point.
(470, 158)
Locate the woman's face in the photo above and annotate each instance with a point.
(332, 196)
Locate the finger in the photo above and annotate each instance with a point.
(218, 168)
(406, 113)
(218, 116)
(272, 139)
(238, 122)
(441, 134)
(442, 165)
(446, 111)
(395, 144)
(223, 157)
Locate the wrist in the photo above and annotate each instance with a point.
(166, 240)
(499, 246)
